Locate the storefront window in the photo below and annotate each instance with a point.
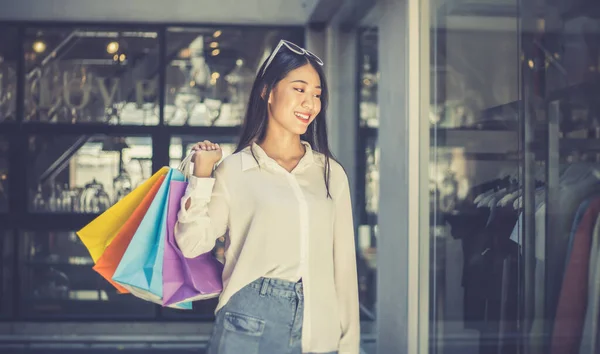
(90, 75)
(3, 175)
(369, 76)
(211, 72)
(368, 172)
(6, 273)
(513, 178)
(85, 173)
(8, 74)
(57, 280)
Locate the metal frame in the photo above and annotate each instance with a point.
(19, 219)
(403, 247)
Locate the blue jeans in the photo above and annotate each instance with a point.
(264, 317)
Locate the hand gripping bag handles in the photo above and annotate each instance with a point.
(186, 279)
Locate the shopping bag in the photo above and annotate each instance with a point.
(98, 234)
(186, 279)
(140, 268)
(108, 262)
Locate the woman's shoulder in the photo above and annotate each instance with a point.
(231, 164)
(337, 171)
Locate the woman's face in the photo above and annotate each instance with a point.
(296, 100)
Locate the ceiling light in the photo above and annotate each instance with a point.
(217, 33)
(216, 52)
(214, 44)
(39, 46)
(112, 47)
(215, 75)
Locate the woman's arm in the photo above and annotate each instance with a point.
(204, 215)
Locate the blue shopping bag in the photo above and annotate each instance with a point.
(140, 269)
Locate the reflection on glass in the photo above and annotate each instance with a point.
(368, 118)
(474, 188)
(369, 76)
(515, 208)
(6, 273)
(3, 175)
(372, 180)
(80, 75)
(8, 73)
(210, 78)
(85, 174)
(57, 279)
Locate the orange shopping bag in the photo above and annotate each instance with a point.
(108, 262)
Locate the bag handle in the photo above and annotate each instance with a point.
(185, 165)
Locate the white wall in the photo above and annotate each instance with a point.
(257, 12)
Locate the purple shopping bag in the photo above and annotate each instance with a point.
(186, 279)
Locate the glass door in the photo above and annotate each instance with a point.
(514, 157)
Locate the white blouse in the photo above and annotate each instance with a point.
(281, 225)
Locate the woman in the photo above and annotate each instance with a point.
(283, 203)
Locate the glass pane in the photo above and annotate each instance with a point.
(474, 181)
(85, 173)
(4, 175)
(210, 76)
(7, 274)
(560, 234)
(368, 231)
(91, 75)
(57, 280)
(369, 76)
(369, 170)
(8, 73)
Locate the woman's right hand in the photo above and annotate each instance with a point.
(206, 155)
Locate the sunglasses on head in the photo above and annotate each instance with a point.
(294, 48)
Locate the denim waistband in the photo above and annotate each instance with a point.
(278, 287)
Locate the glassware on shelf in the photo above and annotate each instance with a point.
(240, 84)
(39, 202)
(4, 175)
(94, 198)
(8, 90)
(369, 110)
(194, 88)
(372, 181)
(74, 81)
(122, 185)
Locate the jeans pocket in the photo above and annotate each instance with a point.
(242, 334)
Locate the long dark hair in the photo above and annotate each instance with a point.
(257, 117)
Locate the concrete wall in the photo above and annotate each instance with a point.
(257, 12)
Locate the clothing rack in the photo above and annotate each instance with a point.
(549, 149)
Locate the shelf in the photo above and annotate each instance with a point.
(368, 219)
(369, 132)
(62, 129)
(40, 263)
(45, 222)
